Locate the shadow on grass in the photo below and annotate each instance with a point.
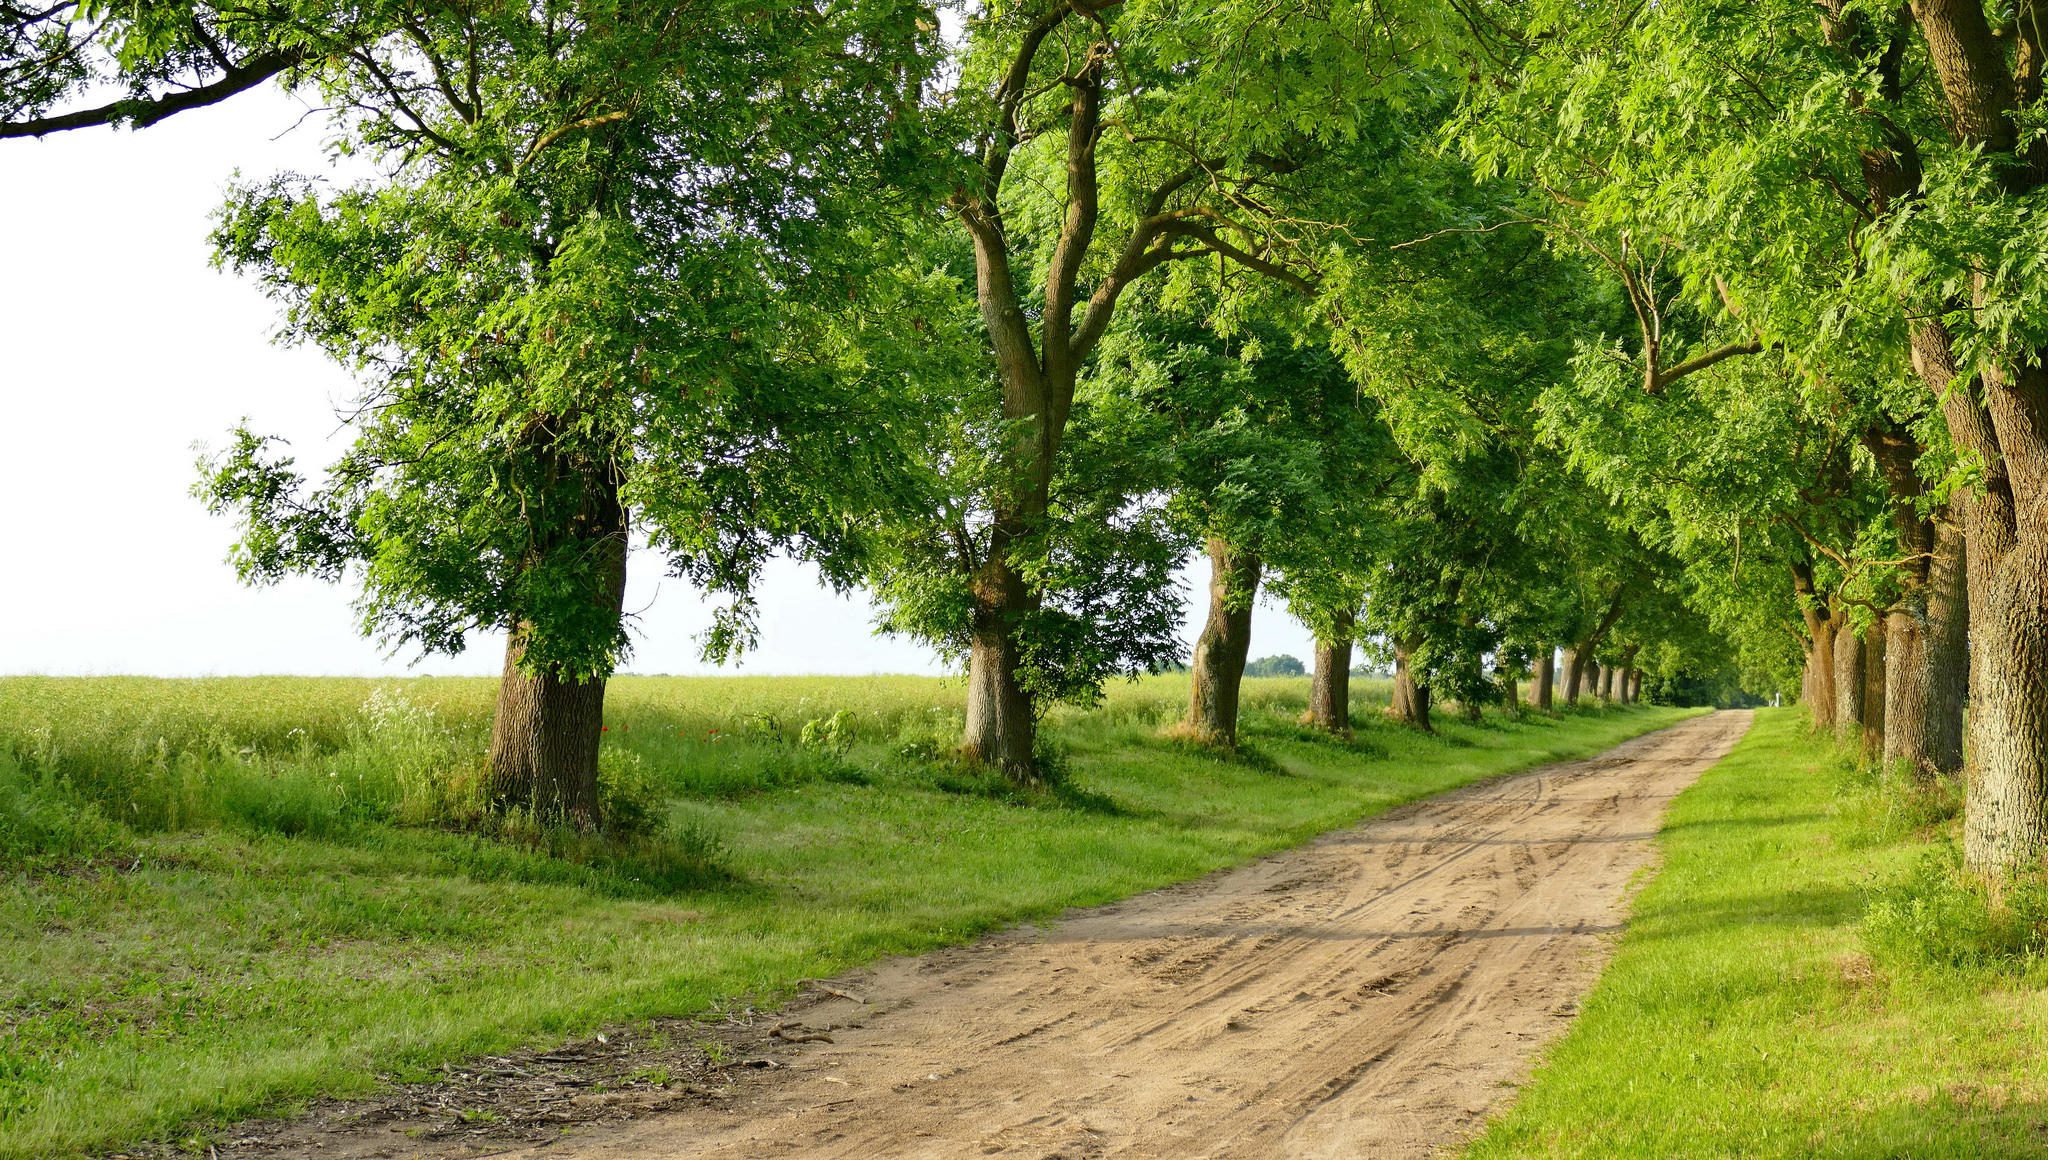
(1058, 794)
(676, 861)
(1963, 1121)
(1774, 908)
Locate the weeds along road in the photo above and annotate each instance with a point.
(1374, 993)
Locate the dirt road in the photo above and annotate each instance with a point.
(1373, 994)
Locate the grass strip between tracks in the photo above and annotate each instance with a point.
(1743, 1014)
(215, 969)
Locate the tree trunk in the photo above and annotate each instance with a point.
(1818, 683)
(1545, 674)
(1002, 721)
(1510, 694)
(1873, 693)
(1603, 682)
(1624, 672)
(1989, 93)
(1925, 634)
(2005, 816)
(547, 726)
(1635, 686)
(1946, 638)
(1411, 698)
(1848, 683)
(1225, 641)
(1574, 671)
(1329, 692)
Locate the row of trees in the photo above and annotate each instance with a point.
(1675, 337)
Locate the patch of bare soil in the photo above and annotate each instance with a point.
(1377, 993)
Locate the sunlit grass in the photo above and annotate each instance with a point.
(1743, 1015)
(216, 957)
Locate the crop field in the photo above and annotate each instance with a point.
(222, 896)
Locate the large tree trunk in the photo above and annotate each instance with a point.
(1603, 682)
(1002, 722)
(1545, 673)
(1574, 674)
(1926, 634)
(1329, 692)
(544, 742)
(1624, 672)
(1635, 686)
(1221, 650)
(2005, 815)
(2005, 806)
(1990, 92)
(1848, 683)
(547, 726)
(1946, 640)
(1873, 693)
(1411, 697)
(1819, 681)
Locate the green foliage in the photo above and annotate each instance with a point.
(1277, 666)
(41, 824)
(591, 285)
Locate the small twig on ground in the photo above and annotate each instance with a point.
(829, 989)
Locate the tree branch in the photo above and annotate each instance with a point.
(142, 113)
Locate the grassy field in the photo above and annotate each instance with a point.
(214, 902)
(1801, 979)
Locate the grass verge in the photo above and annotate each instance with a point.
(239, 934)
(1760, 1006)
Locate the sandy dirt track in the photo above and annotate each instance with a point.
(1375, 993)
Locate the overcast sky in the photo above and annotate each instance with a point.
(121, 348)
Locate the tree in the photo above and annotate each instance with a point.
(1878, 154)
(1265, 448)
(607, 279)
(1169, 134)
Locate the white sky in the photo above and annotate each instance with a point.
(121, 348)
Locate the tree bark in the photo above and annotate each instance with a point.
(1624, 672)
(1002, 722)
(1546, 664)
(1817, 682)
(547, 726)
(1635, 686)
(1226, 638)
(1946, 639)
(1411, 698)
(1574, 670)
(1988, 90)
(1925, 635)
(1873, 692)
(1848, 683)
(1603, 682)
(1329, 692)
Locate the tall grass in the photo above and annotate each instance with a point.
(299, 755)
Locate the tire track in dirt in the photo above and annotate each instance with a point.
(1374, 993)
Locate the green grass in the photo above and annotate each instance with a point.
(217, 904)
(1753, 1011)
